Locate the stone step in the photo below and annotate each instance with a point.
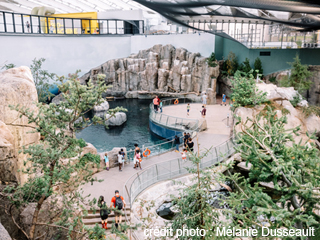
(97, 215)
(98, 210)
(110, 221)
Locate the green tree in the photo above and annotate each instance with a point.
(230, 65)
(257, 67)
(212, 60)
(57, 162)
(192, 204)
(299, 43)
(299, 76)
(275, 158)
(42, 79)
(244, 92)
(245, 66)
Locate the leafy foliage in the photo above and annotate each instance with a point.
(244, 91)
(192, 204)
(296, 99)
(273, 80)
(55, 166)
(275, 158)
(41, 79)
(257, 67)
(299, 76)
(230, 65)
(212, 60)
(311, 109)
(245, 66)
(7, 66)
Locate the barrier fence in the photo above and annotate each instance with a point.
(36, 24)
(172, 169)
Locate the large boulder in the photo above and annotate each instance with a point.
(17, 87)
(4, 235)
(211, 96)
(58, 99)
(118, 119)
(277, 93)
(102, 107)
(113, 156)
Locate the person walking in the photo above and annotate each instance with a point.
(123, 157)
(203, 112)
(118, 203)
(106, 160)
(160, 106)
(204, 99)
(135, 160)
(28, 26)
(155, 104)
(138, 160)
(185, 139)
(104, 213)
(188, 109)
(224, 100)
(177, 142)
(184, 154)
(120, 161)
(190, 145)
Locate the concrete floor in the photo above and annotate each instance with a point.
(216, 133)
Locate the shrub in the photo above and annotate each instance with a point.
(231, 64)
(244, 92)
(296, 99)
(212, 60)
(307, 111)
(245, 66)
(298, 77)
(273, 80)
(257, 67)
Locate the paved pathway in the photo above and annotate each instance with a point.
(217, 133)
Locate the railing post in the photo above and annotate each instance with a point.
(179, 166)
(56, 27)
(31, 24)
(22, 24)
(157, 171)
(72, 26)
(64, 26)
(13, 23)
(47, 25)
(217, 153)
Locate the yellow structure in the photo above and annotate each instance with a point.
(81, 24)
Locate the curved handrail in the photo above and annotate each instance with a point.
(174, 122)
(205, 162)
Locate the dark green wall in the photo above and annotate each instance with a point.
(277, 61)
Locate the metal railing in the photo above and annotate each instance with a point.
(177, 123)
(35, 24)
(172, 169)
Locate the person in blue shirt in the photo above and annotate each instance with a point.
(106, 160)
(224, 100)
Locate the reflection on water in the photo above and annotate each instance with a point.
(135, 130)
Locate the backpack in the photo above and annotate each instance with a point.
(119, 202)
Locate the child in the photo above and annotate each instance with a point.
(224, 100)
(120, 161)
(138, 160)
(188, 109)
(203, 112)
(184, 154)
(106, 160)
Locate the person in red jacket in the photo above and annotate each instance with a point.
(118, 203)
(156, 102)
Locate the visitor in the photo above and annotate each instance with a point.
(188, 109)
(160, 106)
(135, 160)
(138, 160)
(123, 157)
(119, 204)
(120, 161)
(155, 104)
(106, 160)
(224, 100)
(190, 145)
(204, 99)
(28, 26)
(184, 154)
(203, 112)
(185, 139)
(104, 213)
(177, 142)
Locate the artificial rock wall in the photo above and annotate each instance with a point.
(157, 69)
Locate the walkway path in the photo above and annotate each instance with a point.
(217, 133)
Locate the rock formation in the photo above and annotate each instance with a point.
(295, 117)
(4, 235)
(117, 120)
(16, 87)
(159, 69)
(102, 107)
